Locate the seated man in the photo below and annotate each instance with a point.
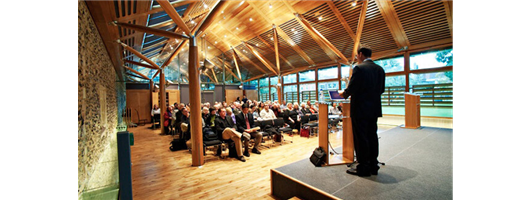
(185, 127)
(245, 125)
(334, 110)
(267, 113)
(225, 127)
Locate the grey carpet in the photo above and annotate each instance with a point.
(419, 165)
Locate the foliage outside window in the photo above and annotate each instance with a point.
(431, 59)
(274, 80)
(396, 64)
(274, 94)
(331, 85)
(395, 81)
(290, 88)
(345, 71)
(291, 78)
(328, 73)
(264, 82)
(264, 93)
(431, 78)
(307, 76)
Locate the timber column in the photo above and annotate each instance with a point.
(197, 157)
(162, 98)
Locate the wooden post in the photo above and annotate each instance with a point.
(162, 95)
(197, 157)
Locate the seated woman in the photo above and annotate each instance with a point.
(155, 115)
(167, 119)
(290, 116)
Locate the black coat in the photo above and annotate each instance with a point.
(221, 124)
(242, 124)
(367, 83)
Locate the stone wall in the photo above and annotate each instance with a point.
(98, 97)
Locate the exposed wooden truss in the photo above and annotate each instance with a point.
(401, 24)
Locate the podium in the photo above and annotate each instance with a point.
(412, 111)
(347, 155)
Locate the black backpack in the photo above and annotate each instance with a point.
(319, 156)
(208, 134)
(177, 144)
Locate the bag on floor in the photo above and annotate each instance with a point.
(177, 144)
(318, 157)
(304, 132)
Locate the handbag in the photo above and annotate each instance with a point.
(318, 157)
(304, 132)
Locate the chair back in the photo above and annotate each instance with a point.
(266, 122)
(279, 122)
(304, 119)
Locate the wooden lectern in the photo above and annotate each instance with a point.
(347, 135)
(412, 111)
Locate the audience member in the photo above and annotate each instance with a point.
(226, 128)
(290, 116)
(155, 110)
(334, 110)
(210, 120)
(267, 113)
(245, 125)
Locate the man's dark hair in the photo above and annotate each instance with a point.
(244, 106)
(366, 51)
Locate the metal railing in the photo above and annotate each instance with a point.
(430, 95)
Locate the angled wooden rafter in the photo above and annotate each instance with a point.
(136, 72)
(283, 35)
(448, 6)
(154, 10)
(317, 36)
(237, 66)
(359, 32)
(140, 64)
(132, 50)
(201, 28)
(261, 58)
(175, 53)
(170, 10)
(227, 69)
(241, 55)
(392, 21)
(342, 21)
(153, 31)
(276, 46)
(273, 49)
(134, 75)
(213, 74)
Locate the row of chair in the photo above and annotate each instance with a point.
(212, 139)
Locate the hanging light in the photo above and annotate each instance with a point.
(270, 6)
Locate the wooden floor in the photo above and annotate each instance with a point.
(159, 173)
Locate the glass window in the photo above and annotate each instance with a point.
(307, 76)
(274, 80)
(345, 71)
(290, 94)
(431, 59)
(264, 82)
(328, 73)
(290, 88)
(308, 92)
(254, 83)
(264, 94)
(395, 81)
(326, 86)
(431, 78)
(291, 78)
(331, 85)
(392, 64)
(274, 94)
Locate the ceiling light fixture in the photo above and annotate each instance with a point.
(270, 5)
(354, 3)
(250, 19)
(320, 18)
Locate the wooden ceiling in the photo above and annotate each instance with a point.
(323, 34)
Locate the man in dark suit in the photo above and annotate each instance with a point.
(225, 127)
(367, 83)
(245, 125)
